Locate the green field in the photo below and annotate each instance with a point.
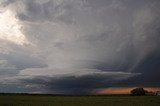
(46, 100)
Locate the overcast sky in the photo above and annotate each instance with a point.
(78, 46)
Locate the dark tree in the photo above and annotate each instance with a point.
(138, 92)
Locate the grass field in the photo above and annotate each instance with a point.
(45, 100)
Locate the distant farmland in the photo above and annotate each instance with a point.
(50, 100)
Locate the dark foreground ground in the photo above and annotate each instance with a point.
(49, 100)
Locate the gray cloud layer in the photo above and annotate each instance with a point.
(81, 45)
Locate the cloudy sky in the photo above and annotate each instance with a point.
(78, 46)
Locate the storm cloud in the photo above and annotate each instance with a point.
(76, 46)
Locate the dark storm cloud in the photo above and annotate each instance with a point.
(50, 10)
(89, 44)
(6, 2)
(75, 84)
(150, 71)
(12, 62)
